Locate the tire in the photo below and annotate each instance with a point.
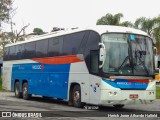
(118, 106)
(76, 97)
(25, 94)
(18, 94)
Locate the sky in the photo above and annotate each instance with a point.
(46, 14)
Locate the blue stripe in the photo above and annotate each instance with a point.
(127, 85)
(43, 79)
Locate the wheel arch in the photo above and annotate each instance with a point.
(70, 91)
(16, 80)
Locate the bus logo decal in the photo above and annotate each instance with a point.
(94, 89)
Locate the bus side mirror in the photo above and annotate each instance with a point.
(102, 54)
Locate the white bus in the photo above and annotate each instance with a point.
(102, 65)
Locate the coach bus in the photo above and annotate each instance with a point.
(101, 65)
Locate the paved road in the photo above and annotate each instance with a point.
(55, 108)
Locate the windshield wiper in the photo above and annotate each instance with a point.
(125, 60)
(142, 63)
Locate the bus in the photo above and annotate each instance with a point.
(101, 65)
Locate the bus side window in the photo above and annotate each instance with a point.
(41, 48)
(19, 51)
(30, 50)
(94, 66)
(55, 46)
(12, 52)
(83, 43)
(6, 53)
(72, 43)
(92, 44)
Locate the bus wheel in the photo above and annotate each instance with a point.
(118, 106)
(25, 94)
(18, 94)
(76, 96)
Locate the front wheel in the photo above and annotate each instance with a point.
(76, 97)
(25, 94)
(118, 106)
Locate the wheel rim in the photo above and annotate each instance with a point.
(76, 96)
(24, 91)
(16, 91)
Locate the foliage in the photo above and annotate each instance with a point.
(146, 24)
(151, 26)
(110, 19)
(158, 92)
(5, 8)
(38, 31)
(127, 24)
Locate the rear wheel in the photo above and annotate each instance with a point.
(76, 96)
(18, 94)
(25, 94)
(118, 106)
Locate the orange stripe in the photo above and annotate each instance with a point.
(140, 81)
(58, 60)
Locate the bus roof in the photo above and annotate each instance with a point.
(98, 28)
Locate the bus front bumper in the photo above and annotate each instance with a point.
(127, 97)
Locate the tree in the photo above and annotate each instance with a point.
(38, 31)
(5, 11)
(5, 8)
(146, 24)
(151, 26)
(127, 24)
(110, 19)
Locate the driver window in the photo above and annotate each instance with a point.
(94, 61)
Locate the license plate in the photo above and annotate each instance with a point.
(133, 96)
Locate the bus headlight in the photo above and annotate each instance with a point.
(115, 93)
(151, 93)
(110, 93)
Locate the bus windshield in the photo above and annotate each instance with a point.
(128, 54)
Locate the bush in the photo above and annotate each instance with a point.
(158, 92)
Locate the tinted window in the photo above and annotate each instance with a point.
(83, 43)
(20, 51)
(6, 53)
(72, 43)
(30, 50)
(12, 53)
(55, 46)
(92, 44)
(94, 61)
(41, 48)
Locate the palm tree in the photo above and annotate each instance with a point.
(110, 19)
(146, 24)
(127, 24)
(151, 26)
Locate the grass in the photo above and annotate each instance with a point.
(158, 92)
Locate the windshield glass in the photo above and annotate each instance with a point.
(142, 54)
(128, 54)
